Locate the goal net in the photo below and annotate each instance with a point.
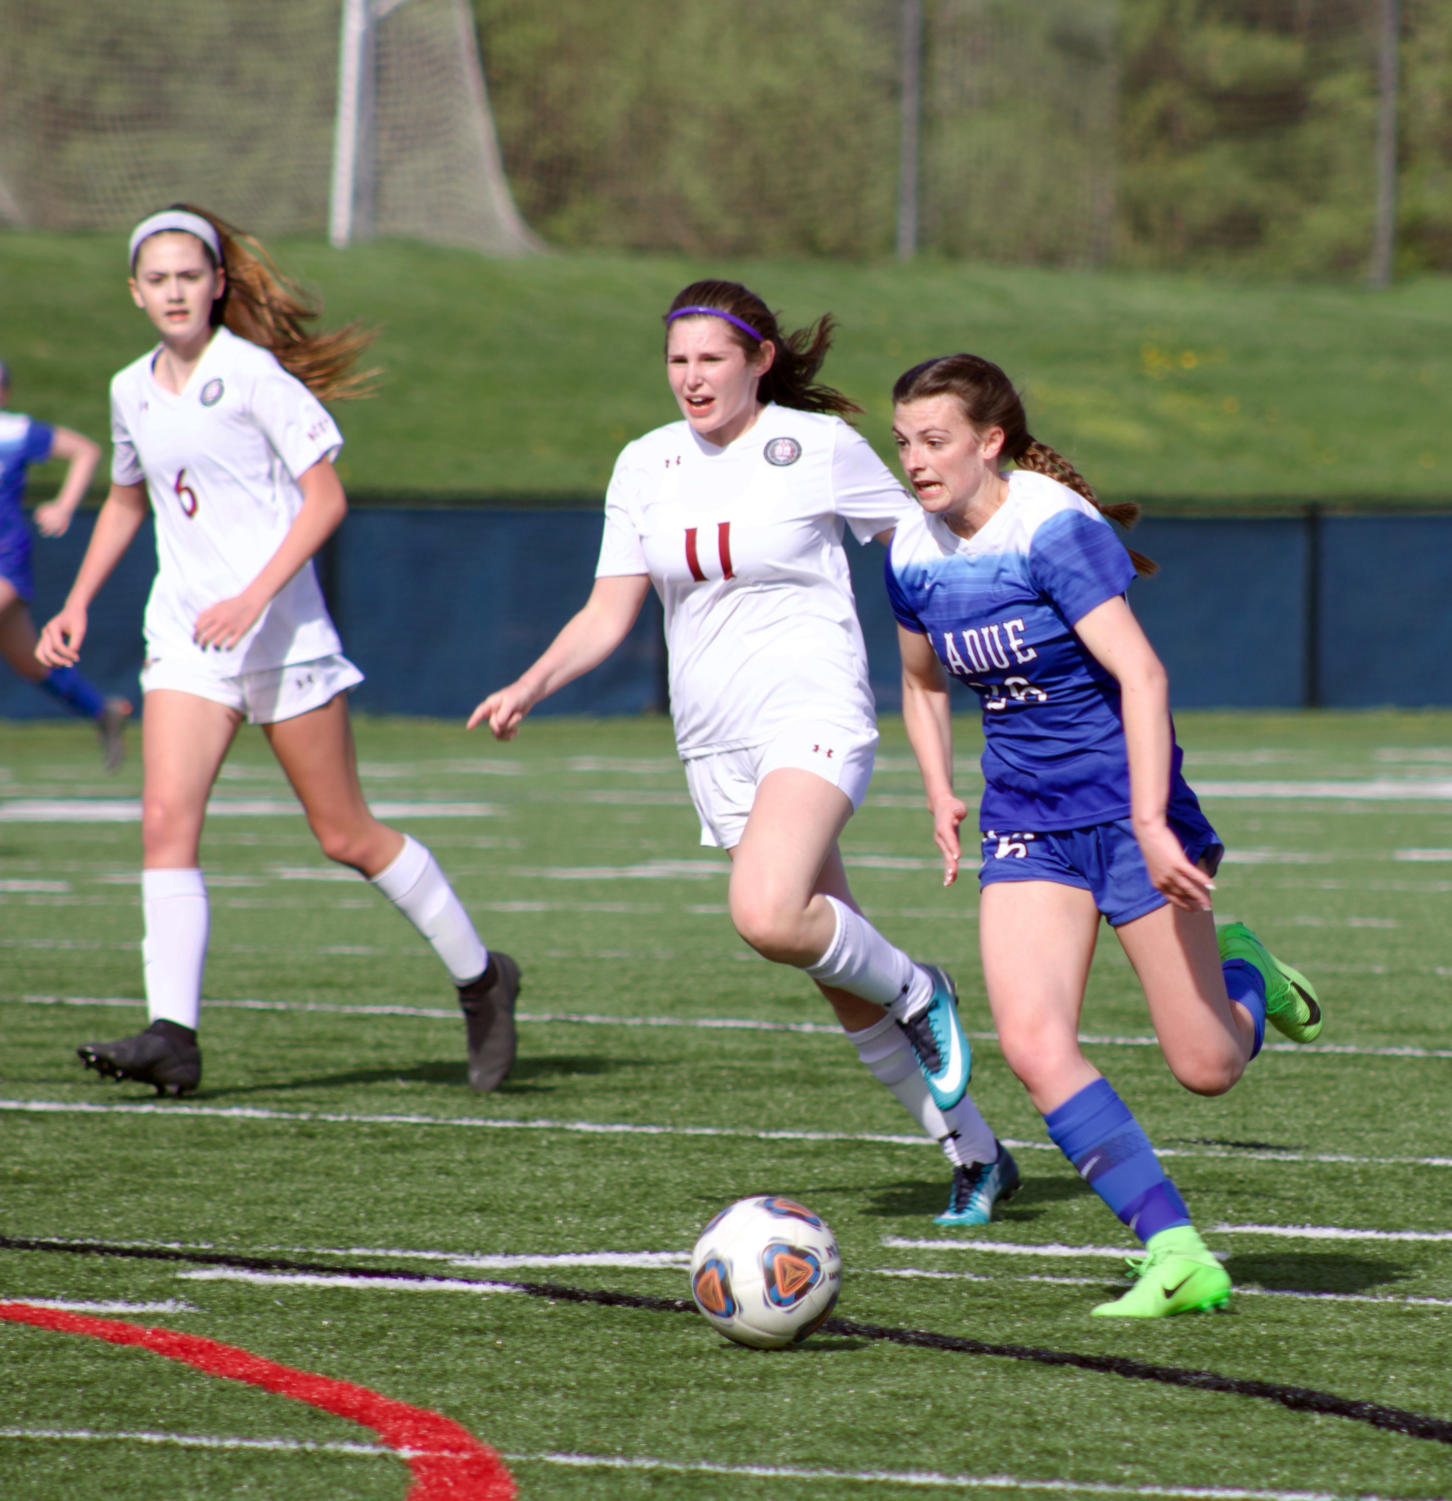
(109, 112)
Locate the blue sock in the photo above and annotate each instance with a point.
(1245, 983)
(74, 691)
(1096, 1132)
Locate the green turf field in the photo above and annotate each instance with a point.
(522, 379)
(537, 1237)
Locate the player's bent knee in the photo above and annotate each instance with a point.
(344, 846)
(170, 834)
(1039, 1062)
(1207, 1074)
(773, 929)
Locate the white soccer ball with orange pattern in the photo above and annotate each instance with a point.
(766, 1272)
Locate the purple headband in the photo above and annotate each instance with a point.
(715, 312)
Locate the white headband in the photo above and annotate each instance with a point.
(175, 218)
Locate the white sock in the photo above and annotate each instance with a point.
(963, 1134)
(174, 944)
(420, 890)
(862, 962)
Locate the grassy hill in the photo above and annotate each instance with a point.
(520, 380)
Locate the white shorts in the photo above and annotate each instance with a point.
(265, 697)
(723, 786)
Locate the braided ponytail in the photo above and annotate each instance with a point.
(989, 400)
(1039, 458)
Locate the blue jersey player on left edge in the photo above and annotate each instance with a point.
(25, 441)
(1012, 581)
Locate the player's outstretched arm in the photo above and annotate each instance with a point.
(586, 640)
(117, 522)
(927, 718)
(81, 455)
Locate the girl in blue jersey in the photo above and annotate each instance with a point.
(1014, 583)
(25, 441)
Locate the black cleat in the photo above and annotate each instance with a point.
(488, 1007)
(162, 1055)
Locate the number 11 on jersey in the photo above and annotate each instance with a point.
(723, 550)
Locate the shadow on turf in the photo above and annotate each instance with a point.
(913, 1198)
(1314, 1272)
(539, 1074)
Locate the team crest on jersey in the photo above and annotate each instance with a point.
(212, 393)
(782, 451)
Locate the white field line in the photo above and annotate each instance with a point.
(342, 1279)
(255, 1113)
(919, 1479)
(128, 810)
(205, 1441)
(704, 1023)
(1241, 1290)
(1375, 789)
(71, 1305)
(913, 1479)
(677, 1262)
(1325, 1232)
(402, 952)
(1054, 1249)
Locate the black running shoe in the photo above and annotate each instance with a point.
(161, 1055)
(488, 1007)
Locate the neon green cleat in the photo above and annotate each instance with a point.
(1290, 1002)
(1177, 1274)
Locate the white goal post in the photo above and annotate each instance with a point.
(361, 156)
(255, 111)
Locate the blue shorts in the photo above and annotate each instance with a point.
(15, 558)
(1103, 859)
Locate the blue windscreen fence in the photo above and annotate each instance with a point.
(438, 607)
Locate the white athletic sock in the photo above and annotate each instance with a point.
(420, 890)
(174, 944)
(962, 1132)
(862, 962)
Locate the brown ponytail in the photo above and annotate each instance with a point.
(261, 304)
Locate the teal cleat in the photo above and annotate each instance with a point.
(937, 1038)
(978, 1187)
(1290, 1002)
(1177, 1274)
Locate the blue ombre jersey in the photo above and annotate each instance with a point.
(23, 441)
(999, 609)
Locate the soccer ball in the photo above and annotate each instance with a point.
(766, 1272)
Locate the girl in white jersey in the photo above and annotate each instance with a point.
(735, 514)
(220, 433)
(1014, 582)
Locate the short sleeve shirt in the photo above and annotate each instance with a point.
(999, 609)
(745, 546)
(23, 442)
(220, 461)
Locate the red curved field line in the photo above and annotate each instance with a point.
(447, 1461)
